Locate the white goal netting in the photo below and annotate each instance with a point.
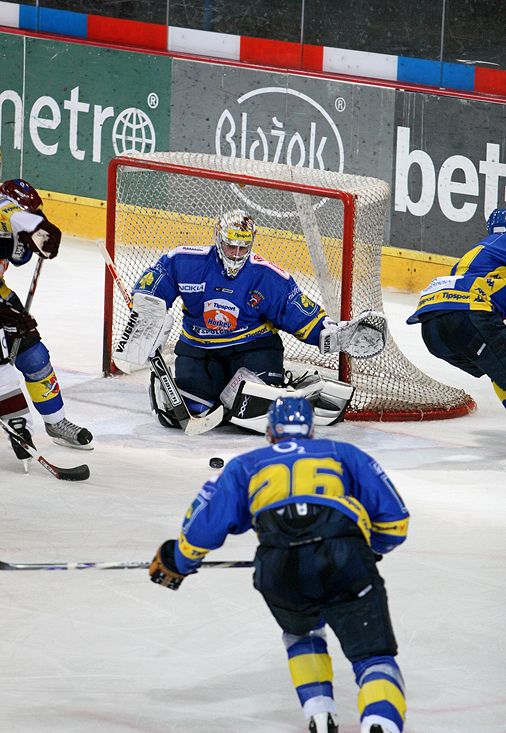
(161, 201)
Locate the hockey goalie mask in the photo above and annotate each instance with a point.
(234, 235)
(22, 193)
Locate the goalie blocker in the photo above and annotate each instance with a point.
(247, 399)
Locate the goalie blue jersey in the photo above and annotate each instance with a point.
(477, 282)
(301, 470)
(220, 311)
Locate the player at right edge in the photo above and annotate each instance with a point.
(324, 512)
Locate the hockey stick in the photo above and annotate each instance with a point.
(189, 424)
(29, 298)
(113, 565)
(77, 473)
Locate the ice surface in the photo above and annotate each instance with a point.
(109, 652)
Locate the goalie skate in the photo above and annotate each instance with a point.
(66, 433)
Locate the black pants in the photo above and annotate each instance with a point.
(473, 341)
(333, 580)
(206, 372)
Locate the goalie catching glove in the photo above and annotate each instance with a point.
(362, 337)
(147, 330)
(163, 569)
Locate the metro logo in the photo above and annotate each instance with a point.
(46, 114)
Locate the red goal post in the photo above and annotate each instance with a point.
(325, 228)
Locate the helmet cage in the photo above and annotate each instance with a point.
(234, 229)
(496, 222)
(290, 417)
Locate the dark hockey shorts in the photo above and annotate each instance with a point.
(473, 341)
(334, 580)
(206, 372)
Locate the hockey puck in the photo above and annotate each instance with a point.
(216, 462)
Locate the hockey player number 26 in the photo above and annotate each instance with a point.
(306, 476)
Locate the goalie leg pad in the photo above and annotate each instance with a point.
(161, 407)
(147, 330)
(251, 404)
(332, 402)
(328, 397)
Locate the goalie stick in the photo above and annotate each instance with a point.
(29, 298)
(77, 473)
(190, 425)
(133, 565)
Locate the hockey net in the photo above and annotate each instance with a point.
(325, 228)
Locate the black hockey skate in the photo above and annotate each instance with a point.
(19, 425)
(323, 723)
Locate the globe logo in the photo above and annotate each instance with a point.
(133, 132)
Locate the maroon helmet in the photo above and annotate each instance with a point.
(24, 194)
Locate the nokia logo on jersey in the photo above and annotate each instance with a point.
(223, 290)
(128, 330)
(192, 287)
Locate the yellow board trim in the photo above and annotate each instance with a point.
(404, 269)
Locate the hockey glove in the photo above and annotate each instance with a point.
(329, 337)
(147, 330)
(362, 337)
(16, 323)
(44, 240)
(163, 569)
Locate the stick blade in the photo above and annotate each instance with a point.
(76, 473)
(199, 425)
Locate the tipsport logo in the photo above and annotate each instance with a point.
(301, 134)
(131, 129)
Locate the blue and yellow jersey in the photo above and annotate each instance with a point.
(220, 311)
(302, 470)
(477, 282)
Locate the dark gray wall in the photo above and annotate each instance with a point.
(450, 30)
(442, 155)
